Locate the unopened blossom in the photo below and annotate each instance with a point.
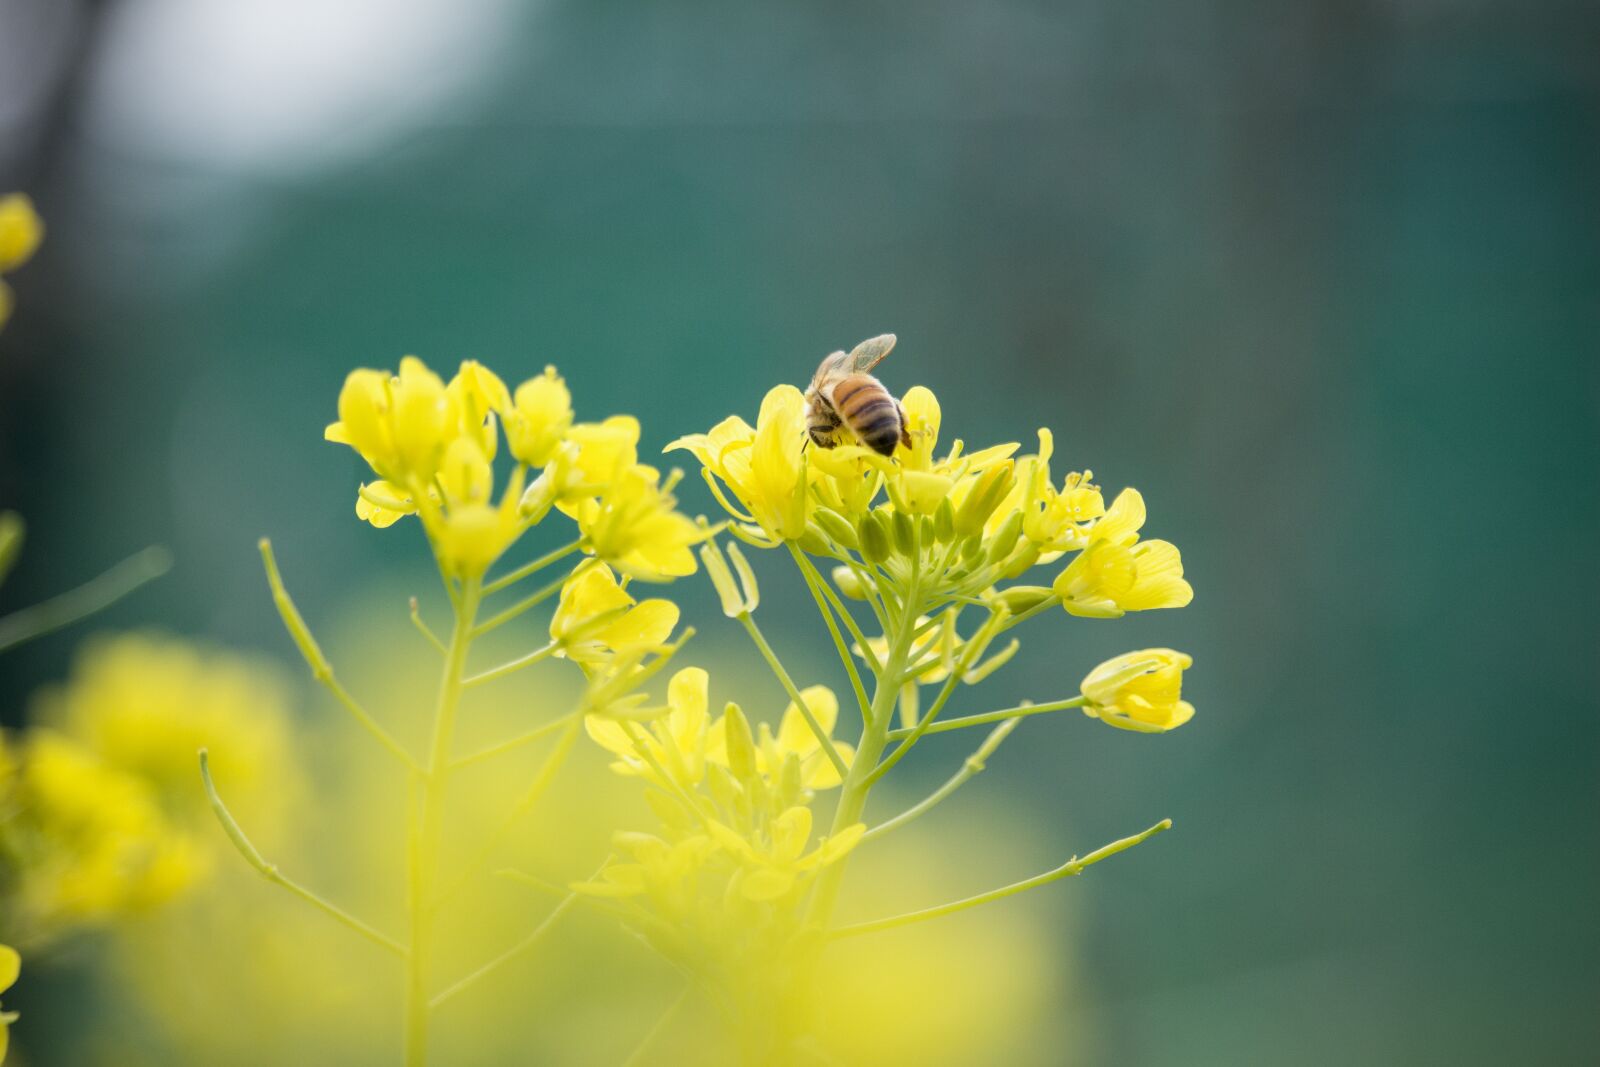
(1139, 691)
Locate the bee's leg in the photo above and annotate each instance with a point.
(905, 427)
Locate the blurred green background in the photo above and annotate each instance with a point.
(1321, 279)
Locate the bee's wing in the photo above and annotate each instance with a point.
(834, 366)
(870, 353)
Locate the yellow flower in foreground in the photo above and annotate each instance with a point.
(10, 970)
(764, 467)
(1139, 691)
(1116, 574)
(596, 617)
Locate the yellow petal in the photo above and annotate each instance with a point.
(10, 967)
(794, 733)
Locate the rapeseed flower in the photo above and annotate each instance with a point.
(1115, 573)
(1139, 691)
(762, 466)
(20, 234)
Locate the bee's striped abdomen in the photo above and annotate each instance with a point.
(871, 413)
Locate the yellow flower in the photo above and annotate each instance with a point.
(20, 230)
(20, 234)
(145, 703)
(1116, 574)
(540, 416)
(764, 467)
(96, 845)
(476, 395)
(659, 868)
(676, 743)
(469, 537)
(1139, 691)
(633, 526)
(596, 617)
(795, 738)
(10, 970)
(399, 424)
(776, 862)
(603, 449)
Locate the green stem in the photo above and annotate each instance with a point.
(508, 955)
(1003, 714)
(794, 694)
(94, 595)
(544, 593)
(970, 767)
(321, 669)
(1072, 867)
(513, 743)
(526, 569)
(427, 834)
(845, 657)
(270, 871)
(660, 1026)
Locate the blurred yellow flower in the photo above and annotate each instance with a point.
(1139, 691)
(672, 751)
(1114, 574)
(20, 234)
(775, 861)
(10, 970)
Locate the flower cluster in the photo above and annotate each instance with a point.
(101, 814)
(920, 536)
(433, 444)
(962, 522)
(20, 234)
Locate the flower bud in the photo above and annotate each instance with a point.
(837, 527)
(722, 580)
(1020, 598)
(740, 744)
(1021, 561)
(905, 534)
(874, 538)
(1005, 539)
(813, 541)
(1139, 691)
(944, 522)
(848, 583)
(993, 486)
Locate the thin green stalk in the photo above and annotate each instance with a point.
(1072, 867)
(321, 669)
(513, 577)
(794, 694)
(833, 629)
(1018, 712)
(94, 595)
(544, 593)
(429, 832)
(508, 955)
(270, 871)
(969, 652)
(543, 652)
(820, 583)
(541, 782)
(513, 743)
(970, 767)
(416, 620)
(643, 1047)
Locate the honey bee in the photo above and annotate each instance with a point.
(844, 395)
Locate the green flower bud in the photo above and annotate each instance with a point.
(837, 527)
(1005, 539)
(905, 534)
(848, 583)
(994, 485)
(874, 538)
(741, 746)
(944, 522)
(1021, 561)
(1020, 598)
